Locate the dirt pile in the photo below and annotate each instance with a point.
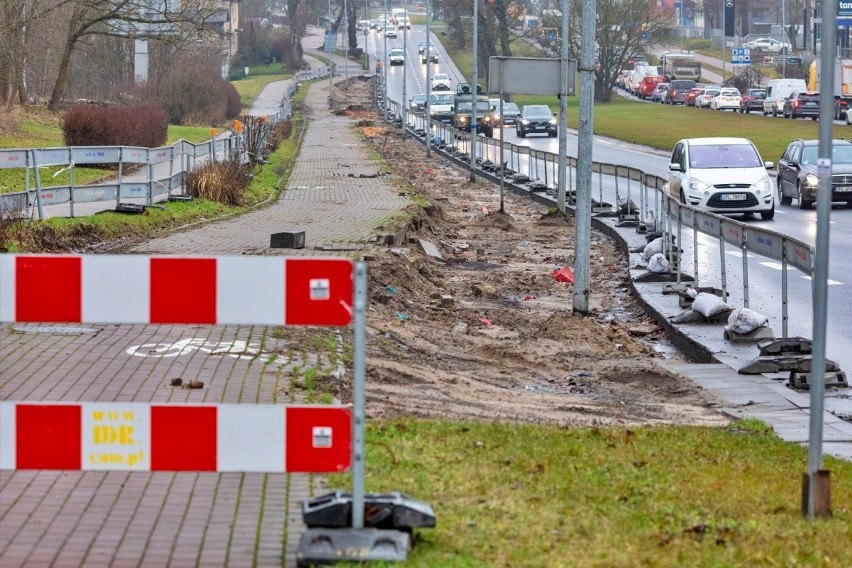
(487, 331)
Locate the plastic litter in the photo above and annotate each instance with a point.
(563, 274)
(486, 321)
(401, 316)
(390, 289)
(528, 297)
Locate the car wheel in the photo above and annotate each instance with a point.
(768, 215)
(552, 134)
(784, 199)
(682, 196)
(803, 203)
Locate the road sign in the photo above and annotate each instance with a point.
(741, 56)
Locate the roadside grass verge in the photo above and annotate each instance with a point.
(59, 233)
(661, 126)
(251, 86)
(509, 495)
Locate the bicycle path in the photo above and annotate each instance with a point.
(92, 519)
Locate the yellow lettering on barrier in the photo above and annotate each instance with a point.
(116, 459)
(113, 435)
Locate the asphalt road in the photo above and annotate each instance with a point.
(763, 276)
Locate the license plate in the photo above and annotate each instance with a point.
(843, 188)
(810, 104)
(732, 197)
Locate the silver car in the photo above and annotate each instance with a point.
(722, 175)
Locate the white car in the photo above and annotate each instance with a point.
(722, 175)
(727, 99)
(702, 100)
(397, 56)
(441, 82)
(767, 44)
(390, 31)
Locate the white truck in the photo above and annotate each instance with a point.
(842, 85)
(680, 66)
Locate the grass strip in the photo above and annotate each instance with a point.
(509, 495)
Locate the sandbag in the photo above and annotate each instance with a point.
(650, 222)
(626, 205)
(709, 305)
(745, 321)
(658, 264)
(652, 248)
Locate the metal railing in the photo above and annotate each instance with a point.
(535, 171)
(181, 158)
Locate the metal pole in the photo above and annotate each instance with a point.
(500, 161)
(385, 58)
(428, 128)
(404, 109)
(584, 160)
(820, 277)
(346, 41)
(358, 395)
(473, 89)
(563, 110)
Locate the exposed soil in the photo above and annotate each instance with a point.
(488, 332)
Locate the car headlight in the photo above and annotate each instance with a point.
(698, 185)
(811, 180)
(764, 185)
(525, 121)
(462, 119)
(486, 118)
(552, 121)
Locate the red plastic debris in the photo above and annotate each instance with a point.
(528, 297)
(563, 274)
(486, 321)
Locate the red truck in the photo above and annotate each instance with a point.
(648, 84)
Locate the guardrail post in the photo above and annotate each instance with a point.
(784, 288)
(38, 187)
(70, 183)
(677, 244)
(150, 169)
(723, 269)
(744, 250)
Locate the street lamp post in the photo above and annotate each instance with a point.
(474, 90)
(404, 64)
(385, 57)
(428, 79)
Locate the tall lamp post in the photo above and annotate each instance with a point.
(428, 78)
(474, 90)
(385, 56)
(404, 64)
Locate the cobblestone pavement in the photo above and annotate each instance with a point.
(68, 518)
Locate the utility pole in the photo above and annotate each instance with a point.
(584, 161)
(404, 64)
(385, 56)
(474, 90)
(428, 78)
(563, 112)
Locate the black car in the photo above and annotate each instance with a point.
(797, 172)
(536, 119)
(802, 105)
(752, 99)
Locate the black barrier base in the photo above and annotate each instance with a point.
(130, 208)
(326, 547)
(381, 510)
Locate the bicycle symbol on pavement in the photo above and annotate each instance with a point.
(236, 349)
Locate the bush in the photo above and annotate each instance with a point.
(278, 133)
(233, 104)
(224, 182)
(138, 125)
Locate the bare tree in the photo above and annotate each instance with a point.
(623, 29)
(123, 18)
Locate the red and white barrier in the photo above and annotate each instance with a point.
(263, 290)
(132, 436)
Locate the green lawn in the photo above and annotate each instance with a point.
(251, 86)
(661, 126)
(508, 495)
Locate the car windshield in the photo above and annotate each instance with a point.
(481, 106)
(538, 112)
(839, 154)
(442, 99)
(397, 52)
(724, 156)
(418, 98)
(510, 107)
(731, 93)
(758, 94)
(440, 77)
